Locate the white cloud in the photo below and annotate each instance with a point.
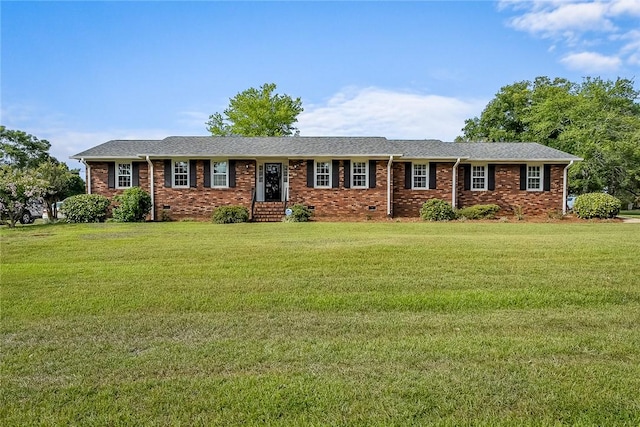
(379, 112)
(564, 18)
(591, 62)
(575, 25)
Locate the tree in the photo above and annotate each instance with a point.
(257, 112)
(598, 120)
(22, 150)
(17, 189)
(60, 183)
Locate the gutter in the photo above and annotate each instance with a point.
(565, 180)
(454, 185)
(389, 182)
(88, 169)
(151, 181)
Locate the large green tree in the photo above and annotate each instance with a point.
(60, 184)
(21, 150)
(596, 119)
(257, 112)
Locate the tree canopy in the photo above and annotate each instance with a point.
(21, 150)
(596, 119)
(257, 112)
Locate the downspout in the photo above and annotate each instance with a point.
(389, 182)
(88, 169)
(454, 185)
(565, 181)
(151, 180)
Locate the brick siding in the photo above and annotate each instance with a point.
(507, 193)
(407, 202)
(334, 203)
(341, 202)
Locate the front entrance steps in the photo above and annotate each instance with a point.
(268, 211)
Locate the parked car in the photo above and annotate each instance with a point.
(28, 214)
(570, 202)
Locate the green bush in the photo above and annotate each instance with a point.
(133, 205)
(479, 212)
(299, 213)
(230, 214)
(437, 210)
(85, 208)
(596, 205)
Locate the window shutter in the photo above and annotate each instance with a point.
(193, 173)
(491, 179)
(335, 173)
(523, 177)
(207, 174)
(407, 175)
(232, 173)
(310, 174)
(347, 173)
(372, 174)
(547, 177)
(111, 175)
(432, 175)
(135, 174)
(167, 173)
(467, 176)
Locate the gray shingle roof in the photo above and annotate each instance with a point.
(309, 147)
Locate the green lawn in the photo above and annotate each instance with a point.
(321, 324)
(630, 214)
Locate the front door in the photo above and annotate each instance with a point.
(273, 182)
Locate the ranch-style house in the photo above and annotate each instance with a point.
(336, 177)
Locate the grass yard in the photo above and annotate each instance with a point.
(321, 324)
(630, 213)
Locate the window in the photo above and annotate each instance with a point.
(359, 175)
(478, 177)
(219, 174)
(534, 178)
(420, 175)
(124, 173)
(180, 173)
(323, 175)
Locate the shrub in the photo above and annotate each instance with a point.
(85, 208)
(299, 213)
(230, 214)
(596, 205)
(479, 212)
(437, 210)
(134, 205)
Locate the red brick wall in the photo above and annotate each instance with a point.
(507, 193)
(99, 179)
(339, 202)
(343, 203)
(407, 202)
(199, 202)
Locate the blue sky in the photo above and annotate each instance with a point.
(81, 73)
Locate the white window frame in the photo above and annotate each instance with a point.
(485, 178)
(118, 175)
(214, 174)
(540, 177)
(366, 173)
(173, 173)
(329, 173)
(414, 176)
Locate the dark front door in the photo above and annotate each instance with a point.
(272, 182)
